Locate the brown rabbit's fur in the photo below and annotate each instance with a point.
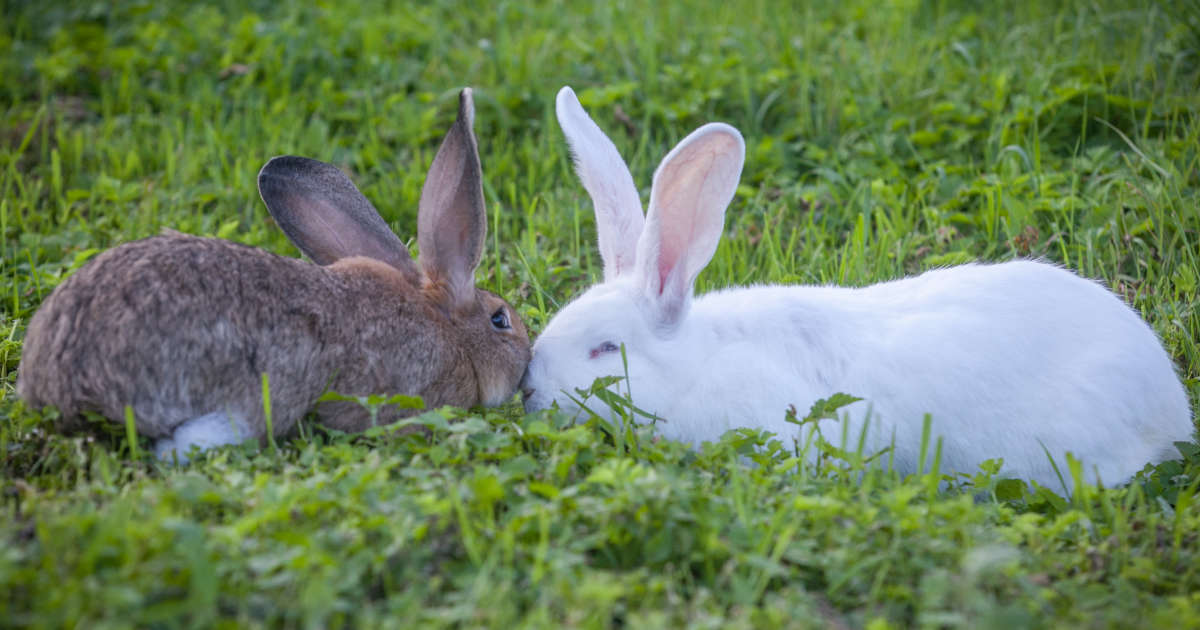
(204, 318)
(181, 327)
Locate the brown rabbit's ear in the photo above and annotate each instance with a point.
(323, 213)
(452, 222)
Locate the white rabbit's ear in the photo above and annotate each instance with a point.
(604, 174)
(452, 220)
(692, 187)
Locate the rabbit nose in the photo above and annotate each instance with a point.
(526, 390)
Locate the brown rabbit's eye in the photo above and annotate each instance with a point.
(500, 320)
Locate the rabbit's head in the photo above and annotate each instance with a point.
(329, 220)
(650, 264)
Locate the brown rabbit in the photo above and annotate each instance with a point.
(182, 328)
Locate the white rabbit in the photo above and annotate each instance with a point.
(1011, 360)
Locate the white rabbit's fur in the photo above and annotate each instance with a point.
(1006, 358)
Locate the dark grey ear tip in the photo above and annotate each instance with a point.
(275, 169)
(466, 106)
(289, 165)
(301, 173)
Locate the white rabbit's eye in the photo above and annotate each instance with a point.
(500, 320)
(603, 348)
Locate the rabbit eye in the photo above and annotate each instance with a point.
(500, 320)
(603, 348)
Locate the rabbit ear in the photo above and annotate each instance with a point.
(604, 174)
(452, 222)
(324, 215)
(692, 187)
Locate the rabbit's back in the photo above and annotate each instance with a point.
(174, 326)
(1003, 357)
(1021, 352)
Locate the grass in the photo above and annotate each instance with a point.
(882, 138)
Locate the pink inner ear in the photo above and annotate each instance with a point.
(667, 259)
(692, 187)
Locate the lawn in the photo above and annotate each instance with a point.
(883, 139)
